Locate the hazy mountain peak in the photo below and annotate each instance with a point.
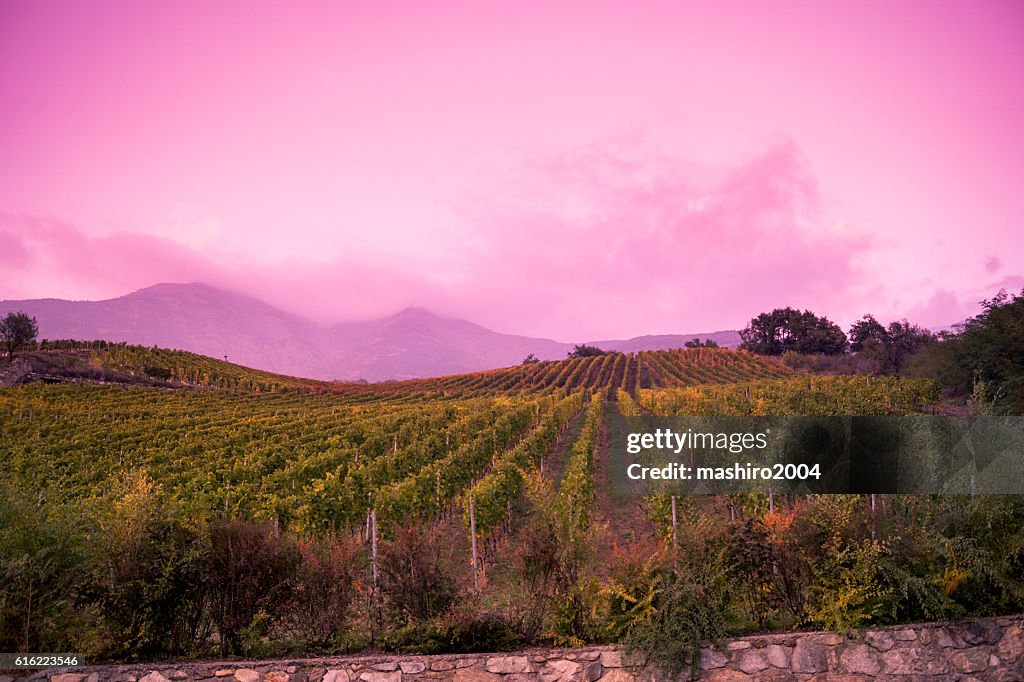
(414, 342)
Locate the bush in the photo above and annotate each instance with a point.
(249, 571)
(325, 587)
(688, 611)
(419, 575)
(41, 560)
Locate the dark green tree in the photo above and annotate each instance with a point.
(788, 329)
(582, 350)
(697, 343)
(890, 346)
(990, 349)
(16, 331)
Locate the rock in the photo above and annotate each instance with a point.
(385, 666)
(777, 655)
(1005, 674)
(466, 662)
(980, 633)
(593, 671)
(67, 677)
(809, 657)
(224, 672)
(508, 664)
(830, 639)
(475, 675)
(618, 675)
(712, 658)
(337, 675)
(1011, 646)
(902, 662)
(860, 658)
(442, 665)
(611, 659)
(154, 676)
(727, 675)
(242, 675)
(753, 662)
(737, 646)
(6, 678)
(944, 638)
(590, 655)
(557, 670)
(882, 641)
(970, 660)
(520, 677)
(904, 635)
(412, 667)
(275, 676)
(774, 675)
(291, 670)
(381, 675)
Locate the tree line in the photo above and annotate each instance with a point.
(983, 357)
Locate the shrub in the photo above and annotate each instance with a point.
(250, 566)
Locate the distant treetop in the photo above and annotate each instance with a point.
(582, 350)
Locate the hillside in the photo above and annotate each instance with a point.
(202, 319)
(185, 494)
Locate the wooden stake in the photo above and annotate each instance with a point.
(472, 533)
(675, 523)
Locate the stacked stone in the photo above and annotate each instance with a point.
(985, 650)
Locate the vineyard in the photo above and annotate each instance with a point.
(496, 472)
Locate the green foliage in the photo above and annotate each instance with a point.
(697, 343)
(147, 571)
(688, 612)
(889, 348)
(582, 350)
(17, 330)
(630, 594)
(788, 329)
(990, 349)
(42, 563)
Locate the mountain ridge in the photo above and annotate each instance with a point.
(412, 343)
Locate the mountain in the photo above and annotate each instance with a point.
(203, 319)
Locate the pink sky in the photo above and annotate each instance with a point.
(573, 170)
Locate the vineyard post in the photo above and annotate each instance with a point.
(373, 547)
(675, 541)
(771, 501)
(472, 534)
(873, 524)
(374, 601)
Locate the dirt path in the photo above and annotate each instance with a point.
(623, 516)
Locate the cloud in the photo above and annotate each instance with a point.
(46, 257)
(609, 240)
(604, 242)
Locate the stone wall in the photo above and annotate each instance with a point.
(986, 649)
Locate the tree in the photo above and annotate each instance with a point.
(17, 330)
(530, 359)
(990, 349)
(890, 346)
(697, 343)
(788, 329)
(582, 350)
